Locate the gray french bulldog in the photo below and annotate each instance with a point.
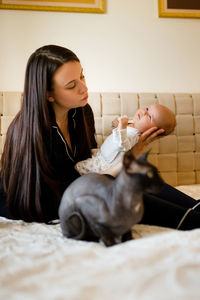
(99, 208)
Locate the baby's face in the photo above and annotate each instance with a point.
(148, 117)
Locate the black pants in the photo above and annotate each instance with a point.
(164, 209)
(168, 207)
(3, 205)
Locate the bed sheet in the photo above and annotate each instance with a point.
(37, 262)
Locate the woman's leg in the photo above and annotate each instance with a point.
(168, 208)
(173, 195)
(3, 205)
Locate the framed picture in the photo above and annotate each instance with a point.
(179, 8)
(84, 6)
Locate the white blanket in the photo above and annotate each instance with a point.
(37, 262)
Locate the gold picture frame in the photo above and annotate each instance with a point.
(179, 8)
(82, 6)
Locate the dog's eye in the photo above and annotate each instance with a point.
(150, 174)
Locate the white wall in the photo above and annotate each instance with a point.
(127, 49)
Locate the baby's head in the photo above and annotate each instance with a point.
(155, 115)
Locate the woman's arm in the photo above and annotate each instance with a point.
(113, 170)
(145, 139)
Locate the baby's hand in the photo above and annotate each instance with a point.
(123, 122)
(115, 123)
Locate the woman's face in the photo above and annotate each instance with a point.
(69, 87)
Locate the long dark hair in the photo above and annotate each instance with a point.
(24, 161)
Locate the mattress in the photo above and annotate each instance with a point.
(37, 262)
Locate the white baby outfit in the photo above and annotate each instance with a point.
(111, 151)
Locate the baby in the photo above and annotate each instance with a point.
(126, 135)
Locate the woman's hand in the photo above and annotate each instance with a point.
(145, 139)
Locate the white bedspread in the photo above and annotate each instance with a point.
(37, 262)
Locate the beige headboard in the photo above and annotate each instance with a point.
(177, 156)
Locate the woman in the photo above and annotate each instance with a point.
(52, 132)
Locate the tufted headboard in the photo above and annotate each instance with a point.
(177, 156)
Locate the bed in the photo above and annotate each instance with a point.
(37, 262)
